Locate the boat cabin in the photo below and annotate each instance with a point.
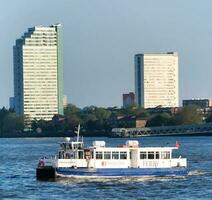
(128, 155)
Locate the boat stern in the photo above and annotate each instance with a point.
(45, 173)
(45, 170)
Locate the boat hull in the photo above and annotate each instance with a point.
(124, 172)
(45, 173)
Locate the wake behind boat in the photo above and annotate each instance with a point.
(129, 160)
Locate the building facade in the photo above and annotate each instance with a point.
(202, 103)
(156, 80)
(38, 73)
(65, 101)
(11, 103)
(127, 122)
(128, 99)
(159, 110)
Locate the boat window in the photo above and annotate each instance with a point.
(142, 155)
(123, 155)
(107, 155)
(80, 154)
(151, 155)
(99, 155)
(67, 156)
(115, 155)
(165, 155)
(157, 155)
(61, 156)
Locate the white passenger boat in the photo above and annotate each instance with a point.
(98, 160)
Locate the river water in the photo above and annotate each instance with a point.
(18, 160)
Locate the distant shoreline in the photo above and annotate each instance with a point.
(95, 134)
(43, 135)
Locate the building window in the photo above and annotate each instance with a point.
(80, 154)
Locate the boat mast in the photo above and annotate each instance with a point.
(77, 132)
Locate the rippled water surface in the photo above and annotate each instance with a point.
(18, 160)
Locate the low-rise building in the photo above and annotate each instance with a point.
(202, 103)
(127, 122)
(169, 110)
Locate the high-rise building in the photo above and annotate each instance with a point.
(128, 99)
(65, 101)
(38, 72)
(156, 80)
(11, 103)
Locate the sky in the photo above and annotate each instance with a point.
(101, 38)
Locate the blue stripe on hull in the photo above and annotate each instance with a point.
(124, 172)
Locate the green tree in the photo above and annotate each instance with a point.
(142, 113)
(73, 117)
(71, 110)
(102, 113)
(161, 119)
(34, 124)
(95, 118)
(209, 118)
(188, 115)
(71, 122)
(134, 110)
(13, 123)
(3, 113)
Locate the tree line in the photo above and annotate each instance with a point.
(98, 119)
(10, 122)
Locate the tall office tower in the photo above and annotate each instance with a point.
(156, 80)
(38, 73)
